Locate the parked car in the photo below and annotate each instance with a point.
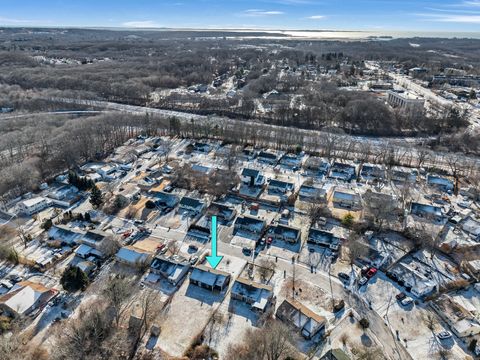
(247, 251)
(363, 280)
(400, 296)
(193, 248)
(406, 301)
(371, 272)
(168, 189)
(444, 335)
(344, 277)
(193, 260)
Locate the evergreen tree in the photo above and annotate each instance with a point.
(96, 197)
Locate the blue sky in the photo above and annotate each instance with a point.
(440, 15)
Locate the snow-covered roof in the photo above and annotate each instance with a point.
(23, 296)
(132, 255)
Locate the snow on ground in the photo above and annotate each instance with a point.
(408, 323)
(185, 317)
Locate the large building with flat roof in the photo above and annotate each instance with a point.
(406, 100)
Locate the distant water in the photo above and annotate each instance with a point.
(335, 34)
(312, 34)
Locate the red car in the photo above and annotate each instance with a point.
(371, 272)
(269, 241)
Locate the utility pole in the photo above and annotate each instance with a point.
(293, 279)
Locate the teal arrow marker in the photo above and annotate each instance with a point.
(214, 259)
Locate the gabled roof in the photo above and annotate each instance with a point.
(290, 304)
(281, 184)
(190, 202)
(250, 172)
(249, 221)
(209, 276)
(23, 296)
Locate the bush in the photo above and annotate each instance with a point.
(473, 345)
(364, 323)
(150, 204)
(47, 224)
(9, 254)
(74, 279)
(348, 220)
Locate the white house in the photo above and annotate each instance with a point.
(34, 205)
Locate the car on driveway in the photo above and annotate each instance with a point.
(193, 260)
(406, 301)
(247, 251)
(363, 280)
(371, 272)
(444, 335)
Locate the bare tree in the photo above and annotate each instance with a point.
(109, 246)
(382, 208)
(117, 292)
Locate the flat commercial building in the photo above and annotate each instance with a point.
(405, 100)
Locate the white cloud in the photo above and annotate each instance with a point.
(452, 18)
(10, 21)
(260, 13)
(141, 24)
(316, 17)
(472, 3)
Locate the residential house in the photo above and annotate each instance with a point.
(315, 166)
(201, 169)
(93, 238)
(343, 172)
(293, 161)
(170, 269)
(63, 192)
(258, 296)
(267, 157)
(302, 318)
(191, 205)
(284, 233)
(252, 177)
(402, 175)
(336, 354)
(427, 211)
(33, 205)
(461, 321)
(202, 147)
(25, 297)
(346, 199)
(199, 231)
(210, 279)
(129, 192)
(224, 213)
(413, 280)
(250, 226)
(313, 194)
(282, 187)
(472, 228)
(64, 234)
(87, 267)
(164, 200)
(323, 238)
(372, 172)
(440, 183)
(133, 256)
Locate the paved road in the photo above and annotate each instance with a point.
(385, 337)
